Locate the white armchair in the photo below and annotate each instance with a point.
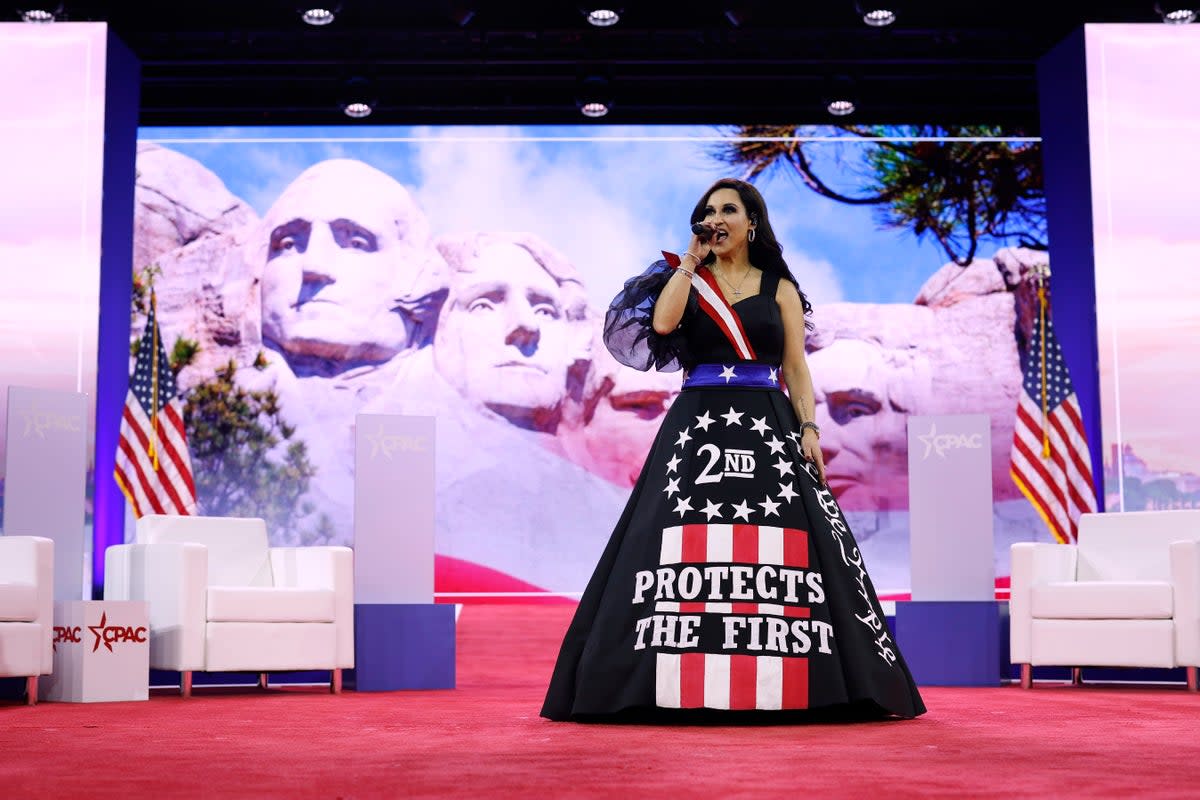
(221, 600)
(1127, 595)
(26, 610)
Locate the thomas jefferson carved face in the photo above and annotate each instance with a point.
(507, 334)
(348, 261)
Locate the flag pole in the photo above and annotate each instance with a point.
(1042, 272)
(154, 378)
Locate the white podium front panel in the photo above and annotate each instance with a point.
(393, 508)
(45, 479)
(101, 652)
(950, 507)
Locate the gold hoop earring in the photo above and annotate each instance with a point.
(750, 235)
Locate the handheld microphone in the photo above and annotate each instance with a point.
(701, 231)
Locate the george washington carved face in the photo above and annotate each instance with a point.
(351, 274)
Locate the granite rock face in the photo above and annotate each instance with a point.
(953, 351)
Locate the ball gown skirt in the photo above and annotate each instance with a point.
(731, 585)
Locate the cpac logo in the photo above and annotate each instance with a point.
(108, 634)
(39, 420)
(66, 634)
(738, 464)
(387, 444)
(941, 442)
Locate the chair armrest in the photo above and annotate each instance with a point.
(171, 577)
(1185, 581)
(322, 568)
(1033, 563)
(30, 559)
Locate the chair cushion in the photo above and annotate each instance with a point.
(257, 604)
(1103, 642)
(266, 647)
(18, 602)
(1102, 600)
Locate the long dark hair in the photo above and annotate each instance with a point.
(765, 251)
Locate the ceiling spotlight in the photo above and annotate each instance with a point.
(879, 17)
(1176, 16)
(37, 15)
(603, 17)
(317, 16)
(594, 97)
(840, 95)
(358, 98)
(840, 108)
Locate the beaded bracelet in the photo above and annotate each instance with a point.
(812, 425)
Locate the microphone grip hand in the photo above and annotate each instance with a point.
(701, 243)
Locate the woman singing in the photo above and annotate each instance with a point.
(732, 585)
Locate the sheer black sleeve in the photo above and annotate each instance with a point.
(629, 324)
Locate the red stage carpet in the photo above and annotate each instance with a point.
(485, 739)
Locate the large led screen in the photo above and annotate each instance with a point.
(1144, 120)
(304, 276)
(52, 81)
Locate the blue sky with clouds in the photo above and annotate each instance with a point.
(609, 197)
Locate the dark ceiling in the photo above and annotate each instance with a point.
(244, 62)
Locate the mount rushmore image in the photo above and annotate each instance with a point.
(340, 299)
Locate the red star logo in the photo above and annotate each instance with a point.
(98, 632)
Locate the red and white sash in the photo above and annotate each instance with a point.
(714, 304)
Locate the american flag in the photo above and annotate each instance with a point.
(1050, 460)
(714, 680)
(153, 468)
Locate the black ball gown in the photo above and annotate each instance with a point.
(731, 586)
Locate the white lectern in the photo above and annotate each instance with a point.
(403, 640)
(950, 631)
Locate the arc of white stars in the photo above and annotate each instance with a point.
(672, 487)
(776, 445)
(760, 425)
(683, 504)
(770, 507)
(712, 509)
(703, 421)
(684, 438)
(673, 464)
(732, 417)
(741, 511)
(784, 466)
(727, 373)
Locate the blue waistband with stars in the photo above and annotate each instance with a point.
(739, 374)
